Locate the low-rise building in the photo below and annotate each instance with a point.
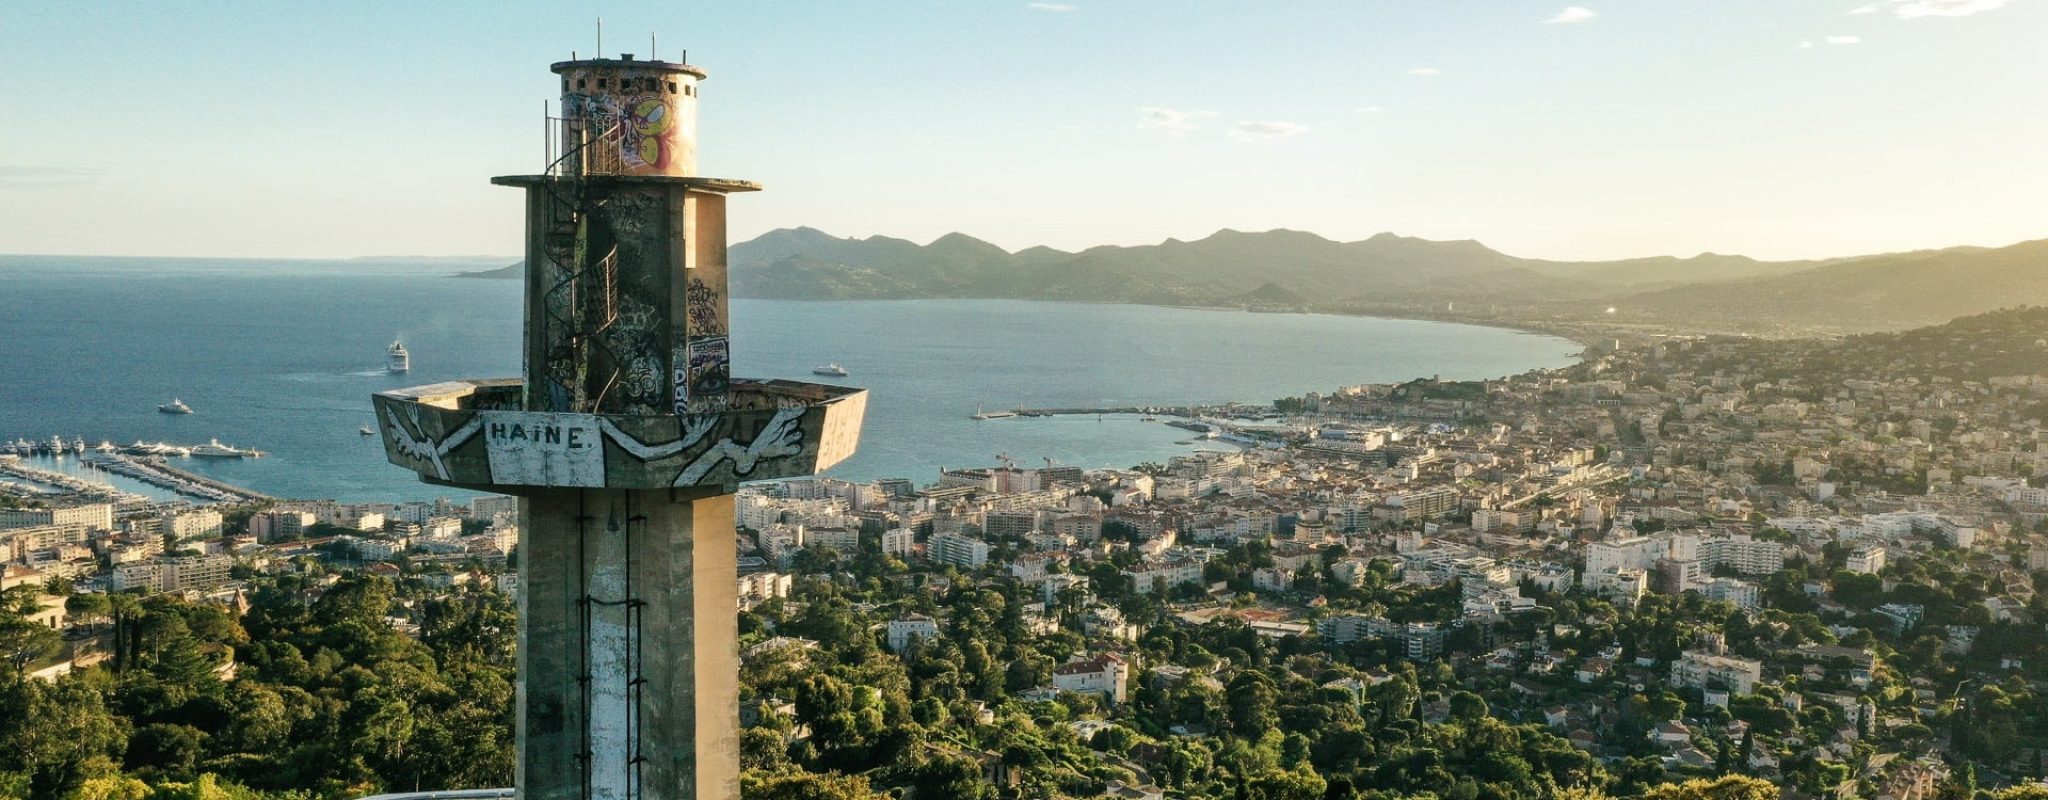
(1105, 674)
(909, 628)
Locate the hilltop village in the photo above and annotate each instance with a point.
(1685, 567)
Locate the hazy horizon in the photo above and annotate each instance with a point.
(477, 258)
(1542, 129)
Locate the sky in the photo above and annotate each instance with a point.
(1618, 128)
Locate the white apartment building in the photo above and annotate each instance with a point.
(96, 516)
(1157, 576)
(1699, 669)
(1105, 674)
(1868, 560)
(1742, 594)
(277, 526)
(183, 573)
(898, 542)
(960, 551)
(1747, 555)
(844, 541)
(909, 628)
(760, 587)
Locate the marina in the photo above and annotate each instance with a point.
(70, 468)
(155, 471)
(39, 482)
(56, 446)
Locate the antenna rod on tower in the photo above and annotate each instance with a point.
(651, 51)
(600, 37)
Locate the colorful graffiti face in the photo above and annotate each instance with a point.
(651, 132)
(647, 127)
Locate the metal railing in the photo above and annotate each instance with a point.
(577, 146)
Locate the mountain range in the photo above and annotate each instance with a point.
(1394, 275)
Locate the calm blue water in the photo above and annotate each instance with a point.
(283, 356)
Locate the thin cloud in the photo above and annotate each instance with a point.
(1368, 110)
(1806, 45)
(1869, 9)
(1265, 131)
(1052, 8)
(1425, 71)
(1174, 122)
(28, 177)
(1913, 9)
(1844, 39)
(1571, 14)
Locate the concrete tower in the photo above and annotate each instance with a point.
(624, 441)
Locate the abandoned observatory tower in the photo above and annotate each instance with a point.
(624, 442)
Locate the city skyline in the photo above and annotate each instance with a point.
(1775, 130)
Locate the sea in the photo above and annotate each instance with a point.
(282, 356)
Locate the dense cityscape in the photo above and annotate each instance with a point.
(1685, 567)
(1328, 400)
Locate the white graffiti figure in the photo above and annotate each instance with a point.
(409, 445)
(782, 437)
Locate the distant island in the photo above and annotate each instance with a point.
(1398, 276)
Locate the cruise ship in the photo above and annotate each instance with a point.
(176, 406)
(833, 370)
(396, 360)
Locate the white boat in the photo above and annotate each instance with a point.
(396, 359)
(176, 406)
(214, 449)
(365, 430)
(833, 370)
(106, 447)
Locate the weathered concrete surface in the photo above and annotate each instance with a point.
(663, 719)
(461, 433)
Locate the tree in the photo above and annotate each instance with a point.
(23, 643)
(805, 786)
(88, 608)
(1467, 707)
(58, 734)
(945, 776)
(1251, 697)
(1726, 787)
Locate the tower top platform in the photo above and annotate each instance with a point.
(627, 62)
(721, 185)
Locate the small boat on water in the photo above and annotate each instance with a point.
(833, 370)
(396, 360)
(176, 406)
(365, 430)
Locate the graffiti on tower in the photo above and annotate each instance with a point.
(763, 434)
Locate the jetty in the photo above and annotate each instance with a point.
(157, 472)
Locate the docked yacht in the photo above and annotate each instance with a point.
(214, 449)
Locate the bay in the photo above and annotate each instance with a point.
(283, 355)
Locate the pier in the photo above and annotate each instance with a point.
(155, 471)
(67, 484)
(1226, 410)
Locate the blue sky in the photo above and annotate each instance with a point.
(1590, 129)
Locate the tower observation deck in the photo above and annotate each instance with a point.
(624, 443)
